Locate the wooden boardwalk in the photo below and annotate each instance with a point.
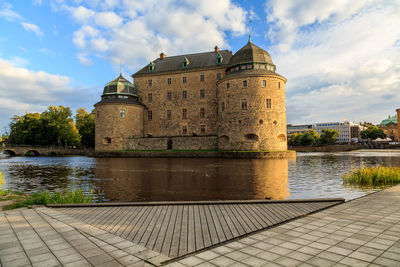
(179, 228)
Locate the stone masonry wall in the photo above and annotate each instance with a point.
(109, 124)
(256, 127)
(160, 125)
(178, 143)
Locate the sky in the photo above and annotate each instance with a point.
(341, 58)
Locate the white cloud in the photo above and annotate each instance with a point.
(32, 28)
(23, 90)
(7, 12)
(342, 60)
(138, 31)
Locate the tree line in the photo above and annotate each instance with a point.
(327, 137)
(55, 126)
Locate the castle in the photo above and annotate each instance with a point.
(202, 101)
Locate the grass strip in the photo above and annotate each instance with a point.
(380, 175)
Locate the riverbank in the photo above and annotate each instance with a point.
(342, 147)
(194, 154)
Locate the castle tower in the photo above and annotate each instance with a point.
(119, 115)
(251, 103)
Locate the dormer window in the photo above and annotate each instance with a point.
(185, 62)
(151, 66)
(219, 58)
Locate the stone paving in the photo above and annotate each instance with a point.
(362, 232)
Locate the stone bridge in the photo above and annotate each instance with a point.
(42, 150)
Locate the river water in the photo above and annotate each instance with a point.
(310, 175)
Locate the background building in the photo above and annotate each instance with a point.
(196, 101)
(390, 127)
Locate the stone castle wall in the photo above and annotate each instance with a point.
(176, 143)
(160, 125)
(112, 131)
(255, 126)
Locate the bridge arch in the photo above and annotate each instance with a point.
(32, 153)
(10, 152)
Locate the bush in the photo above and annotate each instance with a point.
(373, 176)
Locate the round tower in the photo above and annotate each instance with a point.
(119, 115)
(251, 103)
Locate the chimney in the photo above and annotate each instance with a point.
(162, 56)
(216, 49)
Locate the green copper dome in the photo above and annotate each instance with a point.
(119, 86)
(389, 119)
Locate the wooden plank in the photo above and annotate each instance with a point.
(211, 225)
(285, 211)
(218, 224)
(157, 227)
(224, 223)
(163, 231)
(183, 242)
(204, 226)
(124, 217)
(134, 221)
(151, 225)
(296, 208)
(91, 214)
(170, 231)
(191, 230)
(270, 213)
(228, 221)
(96, 215)
(197, 228)
(103, 223)
(257, 222)
(176, 236)
(117, 219)
(234, 220)
(140, 226)
(244, 221)
(133, 213)
(262, 214)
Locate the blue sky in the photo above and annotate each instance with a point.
(341, 58)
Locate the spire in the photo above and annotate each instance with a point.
(120, 67)
(249, 31)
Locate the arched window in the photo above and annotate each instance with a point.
(251, 137)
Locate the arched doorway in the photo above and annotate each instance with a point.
(169, 144)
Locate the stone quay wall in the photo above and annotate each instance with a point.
(175, 143)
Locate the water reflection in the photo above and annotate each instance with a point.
(188, 179)
(311, 175)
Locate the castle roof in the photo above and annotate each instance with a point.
(389, 119)
(193, 61)
(250, 53)
(121, 86)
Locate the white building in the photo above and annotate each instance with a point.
(348, 131)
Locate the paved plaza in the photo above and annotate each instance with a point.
(362, 232)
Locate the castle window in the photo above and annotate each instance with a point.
(219, 58)
(169, 95)
(202, 93)
(218, 76)
(185, 62)
(149, 115)
(169, 114)
(107, 140)
(169, 80)
(223, 106)
(184, 79)
(202, 129)
(244, 104)
(150, 82)
(244, 83)
(279, 85)
(268, 103)
(184, 94)
(150, 97)
(184, 113)
(264, 83)
(122, 113)
(227, 85)
(202, 78)
(202, 112)
(184, 129)
(151, 66)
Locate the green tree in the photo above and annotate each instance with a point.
(372, 133)
(26, 129)
(294, 139)
(308, 139)
(85, 124)
(329, 136)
